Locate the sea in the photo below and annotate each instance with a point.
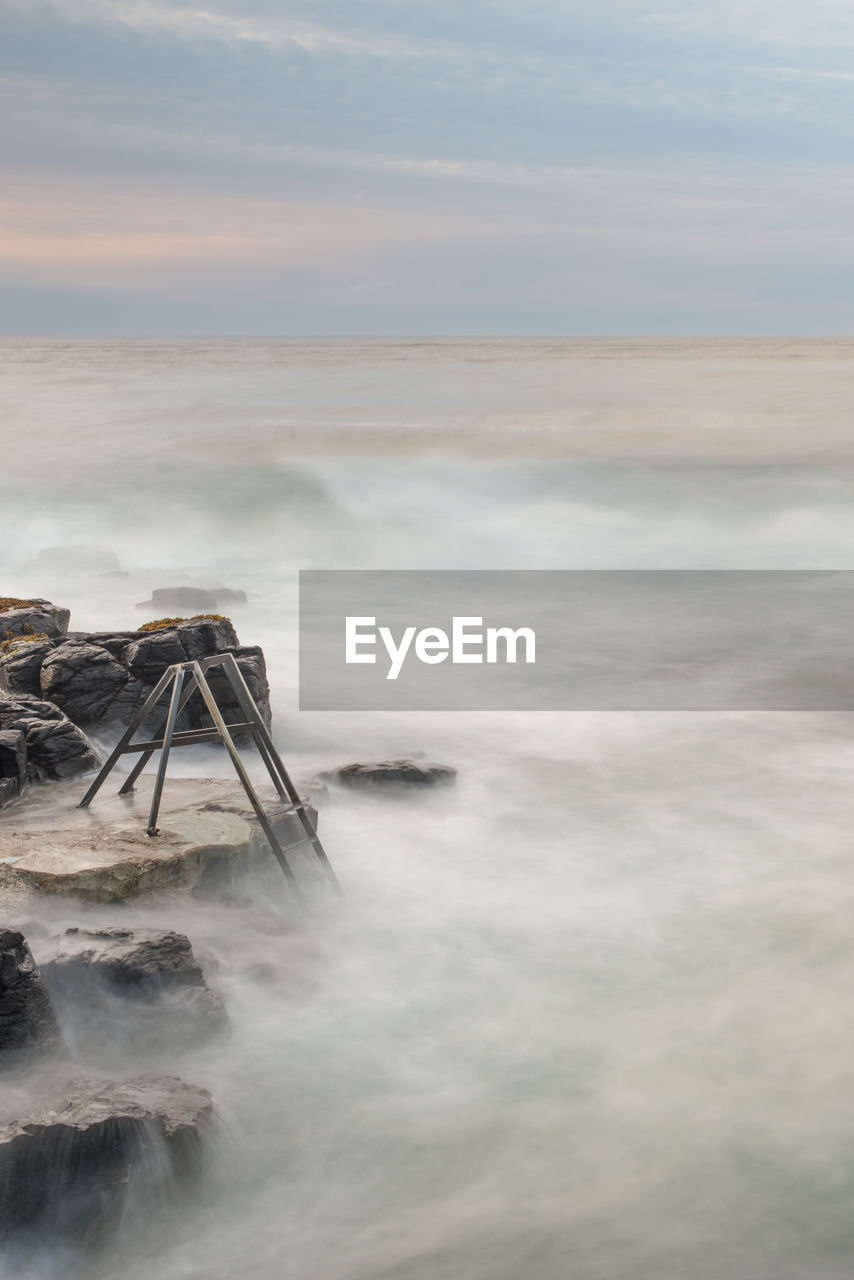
(586, 1015)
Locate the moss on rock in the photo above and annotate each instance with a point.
(8, 603)
(162, 623)
(27, 637)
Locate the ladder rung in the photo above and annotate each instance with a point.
(284, 811)
(295, 844)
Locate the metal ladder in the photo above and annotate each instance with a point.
(185, 679)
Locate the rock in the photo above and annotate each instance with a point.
(21, 663)
(13, 764)
(115, 642)
(208, 840)
(166, 600)
(79, 557)
(153, 651)
(27, 1020)
(253, 668)
(100, 679)
(67, 1170)
(32, 617)
(102, 854)
(56, 748)
(134, 983)
(390, 773)
(169, 599)
(86, 681)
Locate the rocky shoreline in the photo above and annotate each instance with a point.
(76, 1148)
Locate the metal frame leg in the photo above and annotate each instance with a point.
(174, 705)
(271, 756)
(127, 786)
(138, 720)
(186, 678)
(228, 741)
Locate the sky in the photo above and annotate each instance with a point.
(426, 167)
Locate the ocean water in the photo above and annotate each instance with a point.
(587, 1013)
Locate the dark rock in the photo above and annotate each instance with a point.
(390, 773)
(148, 656)
(253, 668)
(202, 636)
(34, 618)
(115, 642)
(102, 678)
(153, 651)
(21, 663)
(84, 680)
(56, 748)
(16, 710)
(13, 764)
(113, 972)
(27, 1020)
(67, 1170)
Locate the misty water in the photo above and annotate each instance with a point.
(587, 1013)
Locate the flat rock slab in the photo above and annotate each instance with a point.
(207, 833)
(103, 854)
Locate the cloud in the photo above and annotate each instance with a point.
(190, 149)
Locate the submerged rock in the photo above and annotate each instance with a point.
(193, 599)
(391, 773)
(27, 1021)
(67, 1170)
(131, 983)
